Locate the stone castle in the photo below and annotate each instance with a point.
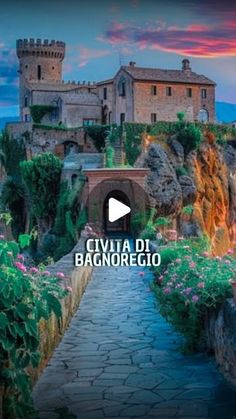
(134, 94)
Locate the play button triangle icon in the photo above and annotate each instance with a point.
(117, 209)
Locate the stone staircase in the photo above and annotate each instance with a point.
(118, 149)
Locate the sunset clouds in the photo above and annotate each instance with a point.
(197, 40)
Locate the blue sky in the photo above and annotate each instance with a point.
(100, 35)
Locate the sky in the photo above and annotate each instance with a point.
(101, 35)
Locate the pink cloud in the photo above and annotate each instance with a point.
(193, 40)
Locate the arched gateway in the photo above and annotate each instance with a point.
(125, 185)
(122, 225)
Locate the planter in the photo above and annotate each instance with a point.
(233, 283)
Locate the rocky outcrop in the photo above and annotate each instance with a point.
(212, 206)
(189, 190)
(177, 151)
(162, 182)
(230, 160)
(210, 187)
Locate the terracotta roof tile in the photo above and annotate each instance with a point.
(171, 76)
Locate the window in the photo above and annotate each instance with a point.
(153, 90)
(203, 116)
(87, 122)
(153, 118)
(39, 72)
(204, 93)
(169, 91)
(105, 93)
(122, 118)
(27, 118)
(189, 92)
(54, 114)
(122, 87)
(26, 101)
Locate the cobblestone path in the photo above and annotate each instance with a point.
(119, 358)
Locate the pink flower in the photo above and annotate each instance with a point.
(69, 289)
(20, 257)
(178, 260)
(227, 261)
(2, 237)
(206, 254)
(187, 257)
(192, 265)
(178, 286)
(161, 277)
(34, 270)
(230, 251)
(195, 298)
(21, 267)
(167, 290)
(46, 273)
(60, 275)
(141, 273)
(201, 285)
(218, 258)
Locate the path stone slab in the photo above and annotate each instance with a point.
(119, 359)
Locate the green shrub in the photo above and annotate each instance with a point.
(189, 135)
(181, 171)
(110, 152)
(189, 283)
(98, 134)
(26, 296)
(42, 178)
(70, 218)
(188, 210)
(162, 222)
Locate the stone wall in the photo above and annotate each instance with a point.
(220, 329)
(52, 332)
(166, 107)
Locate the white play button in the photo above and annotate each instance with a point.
(117, 209)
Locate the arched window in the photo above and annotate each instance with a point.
(73, 180)
(26, 101)
(122, 87)
(203, 116)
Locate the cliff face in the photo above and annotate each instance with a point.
(215, 189)
(210, 186)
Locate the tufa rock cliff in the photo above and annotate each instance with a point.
(210, 185)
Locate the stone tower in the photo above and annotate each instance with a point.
(39, 62)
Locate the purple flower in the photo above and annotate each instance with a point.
(195, 298)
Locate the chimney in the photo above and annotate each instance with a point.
(132, 63)
(186, 65)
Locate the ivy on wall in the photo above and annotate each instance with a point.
(39, 111)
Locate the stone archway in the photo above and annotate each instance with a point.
(122, 225)
(129, 186)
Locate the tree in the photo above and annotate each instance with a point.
(12, 152)
(42, 178)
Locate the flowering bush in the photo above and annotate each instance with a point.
(26, 296)
(189, 283)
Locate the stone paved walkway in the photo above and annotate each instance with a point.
(119, 358)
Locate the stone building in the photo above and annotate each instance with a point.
(135, 94)
(40, 69)
(148, 95)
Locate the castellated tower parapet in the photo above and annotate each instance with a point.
(40, 48)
